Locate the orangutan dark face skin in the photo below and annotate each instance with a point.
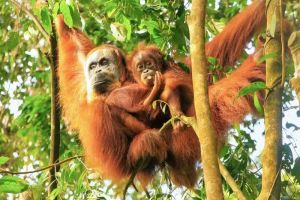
(102, 69)
(146, 66)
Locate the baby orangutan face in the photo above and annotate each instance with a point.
(145, 64)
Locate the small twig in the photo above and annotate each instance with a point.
(134, 186)
(214, 26)
(258, 169)
(228, 178)
(191, 121)
(282, 46)
(166, 125)
(41, 169)
(274, 182)
(290, 108)
(276, 83)
(131, 179)
(34, 19)
(186, 120)
(147, 194)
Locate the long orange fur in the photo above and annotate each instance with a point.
(113, 140)
(106, 141)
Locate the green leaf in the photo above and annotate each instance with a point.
(257, 104)
(224, 150)
(180, 32)
(266, 57)
(163, 107)
(32, 2)
(84, 1)
(212, 60)
(215, 78)
(127, 25)
(55, 9)
(46, 20)
(75, 16)
(237, 127)
(12, 42)
(3, 160)
(273, 25)
(55, 193)
(253, 87)
(184, 67)
(12, 184)
(66, 11)
(151, 26)
(295, 170)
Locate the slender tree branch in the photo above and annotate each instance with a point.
(41, 169)
(274, 182)
(228, 178)
(34, 19)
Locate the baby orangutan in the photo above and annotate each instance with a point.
(148, 66)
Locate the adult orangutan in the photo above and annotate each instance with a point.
(87, 76)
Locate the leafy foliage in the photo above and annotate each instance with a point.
(25, 94)
(12, 184)
(253, 87)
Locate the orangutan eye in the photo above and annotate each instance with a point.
(104, 62)
(139, 67)
(92, 66)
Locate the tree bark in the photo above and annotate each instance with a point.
(55, 114)
(204, 127)
(271, 155)
(294, 45)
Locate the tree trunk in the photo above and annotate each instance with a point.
(271, 155)
(204, 127)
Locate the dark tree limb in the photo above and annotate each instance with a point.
(55, 113)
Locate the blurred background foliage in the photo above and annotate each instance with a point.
(25, 96)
